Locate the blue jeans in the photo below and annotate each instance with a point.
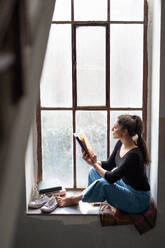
(118, 194)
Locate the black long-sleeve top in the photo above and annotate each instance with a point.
(130, 168)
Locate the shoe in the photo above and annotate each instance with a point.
(38, 203)
(50, 206)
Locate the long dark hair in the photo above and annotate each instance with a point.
(134, 125)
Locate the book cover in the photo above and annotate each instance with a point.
(83, 142)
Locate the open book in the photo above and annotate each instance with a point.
(81, 139)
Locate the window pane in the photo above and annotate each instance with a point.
(90, 10)
(127, 10)
(93, 125)
(56, 81)
(126, 65)
(62, 11)
(90, 65)
(57, 149)
(113, 117)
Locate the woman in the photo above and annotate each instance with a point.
(121, 180)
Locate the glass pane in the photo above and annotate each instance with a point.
(127, 10)
(113, 117)
(126, 65)
(93, 125)
(90, 10)
(56, 80)
(62, 11)
(91, 66)
(57, 148)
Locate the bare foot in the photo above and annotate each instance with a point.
(68, 200)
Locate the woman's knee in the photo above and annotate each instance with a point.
(93, 176)
(102, 181)
(92, 172)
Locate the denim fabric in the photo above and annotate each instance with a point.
(118, 194)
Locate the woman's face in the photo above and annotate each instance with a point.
(116, 130)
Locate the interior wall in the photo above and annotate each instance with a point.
(18, 121)
(50, 231)
(30, 164)
(155, 7)
(161, 161)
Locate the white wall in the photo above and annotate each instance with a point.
(155, 14)
(31, 162)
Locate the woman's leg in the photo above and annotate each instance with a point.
(73, 200)
(93, 176)
(68, 200)
(117, 195)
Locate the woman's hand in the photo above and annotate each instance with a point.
(92, 159)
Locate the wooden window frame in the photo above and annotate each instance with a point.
(107, 106)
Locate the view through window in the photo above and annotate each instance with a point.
(95, 69)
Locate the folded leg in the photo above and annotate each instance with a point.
(117, 195)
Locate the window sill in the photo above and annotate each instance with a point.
(82, 214)
(83, 208)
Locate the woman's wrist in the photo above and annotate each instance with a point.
(99, 168)
(97, 163)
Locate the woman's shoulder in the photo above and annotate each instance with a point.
(135, 154)
(118, 145)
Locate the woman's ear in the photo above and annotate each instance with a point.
(124, 132)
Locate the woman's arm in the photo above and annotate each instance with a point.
(99, 169)
(129, 167)
(92, 160)
(110, 163)
(102, 166)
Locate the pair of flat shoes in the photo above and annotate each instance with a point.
(45, 203)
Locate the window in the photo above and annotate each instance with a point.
(95, 69)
